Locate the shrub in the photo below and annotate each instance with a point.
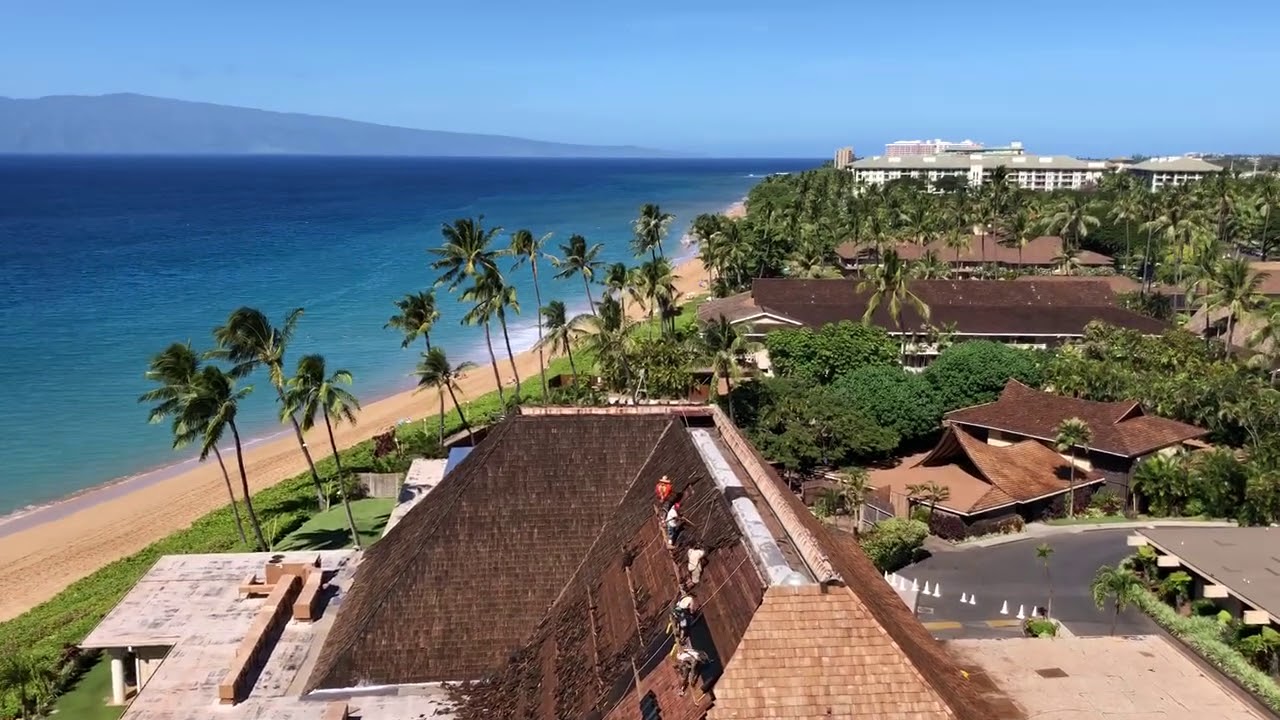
(1058, 508)
(1040, 627)
(1205, 636)
(1107, 501)
(1204, 607)
(948, 527)
(920, 513)
(998, 526)
(894, 543)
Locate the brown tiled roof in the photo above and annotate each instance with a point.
(1021, 472)
(984, 307)
(1119, 428)
(1039, 252)
(1270, 284)
(609, 626)
(734, 308)
(1117, 283)
(464, 578)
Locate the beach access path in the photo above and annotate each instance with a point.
(45, 558)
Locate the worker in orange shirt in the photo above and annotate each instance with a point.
(664, 491)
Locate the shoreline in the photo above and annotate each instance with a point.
(54, 544)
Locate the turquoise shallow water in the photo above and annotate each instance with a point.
(103, 261)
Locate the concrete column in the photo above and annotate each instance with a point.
(117, 677)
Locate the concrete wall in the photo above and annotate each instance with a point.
(380, 485)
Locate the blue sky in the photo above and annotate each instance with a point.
(718, 78)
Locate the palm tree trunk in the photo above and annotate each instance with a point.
(493, 360)
(427, 337)
(1048, 580)
(440, 393)
(1127, 259)
(1262, 242)
(235, 509)
(297, 431)
(244, 487)
(537, 296)
(502, 320)
(573, 367)
(470, 433)
(1115, 617)
(590, 300)
(1071, 487)
(1149, 272)
(342, 491)
(728, 398)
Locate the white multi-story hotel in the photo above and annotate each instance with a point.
(1156, 173)
(928, 147)
(1033, 172)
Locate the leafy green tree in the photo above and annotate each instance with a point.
(974, 372)
(726, 345)
(1218, 480)
(29, 680)
(1071, 435)
(661, 366)
(803, 428)
(894, 398)
(249, 341)
(313, 391)
(1164, 482)
(821, 355)
(175, 369)
(1119, 586)
(418, 314)
(890, 284)
(1044, 552)
(582, 260)
(467, 251)
(650, 230)
(435, 371)
(562, 332)
(527, 248)
(894, 543)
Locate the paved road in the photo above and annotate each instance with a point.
(1012, 573)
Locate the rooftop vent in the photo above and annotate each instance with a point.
(1052, 673)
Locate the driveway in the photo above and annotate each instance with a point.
(1012, 574)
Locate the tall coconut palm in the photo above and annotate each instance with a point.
(617, 278)
(1220, 191)
(607, 336)
(1044, 551)
(579, 259)
(1150, 210)
(1072, 433)
(1127, 209)
(1072, 217)
(1067, 261)
(890, 282)
(562, 332)
(1268, 196)
(484, 292)
(504, 298)
(418, 314)
(930, 267)
(1235, 287)
(918, 219)
(650, 228)
(250, 341)
(1019, 230)
(726, 345)
(434, 371)
(467, 251)
(1118, 585)
(527, 248)
(1266, 337)
(1178, 222)
(174, 369)
(313, 392)
(655, 280)
(209, 412)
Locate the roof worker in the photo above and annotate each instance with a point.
(682, 615)
(664, 489)
(688, 662)
(673, 522)
(697, 558)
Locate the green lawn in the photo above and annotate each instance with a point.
(1086, 520)
(87, 699)
(328, 530)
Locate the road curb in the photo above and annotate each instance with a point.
(1037, 531)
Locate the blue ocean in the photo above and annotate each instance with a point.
(104, 261)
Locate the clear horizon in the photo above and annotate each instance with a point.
(743, 80)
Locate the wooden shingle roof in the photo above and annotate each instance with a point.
(1041, 251)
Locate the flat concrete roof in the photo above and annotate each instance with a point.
(191, 604)
(1244, 559)
(423, 476)
(1084, 678)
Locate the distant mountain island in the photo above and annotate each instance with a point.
(129, 124)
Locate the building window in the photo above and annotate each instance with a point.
(649, 709)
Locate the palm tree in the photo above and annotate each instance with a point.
(175, 369)
(579, 260)
(562, 332)
(484, 293)
(1127, 208)
(1071, 218)
(1267, 199)
(1019, 230)
(1117, 584)
(526, 248)
(1044, 551)
(1220, 191)
(617, 278)
(650, 229)
(1177, 221)
(890, 280)
(607, 336)
(853, 484)
(1072, 433)
(1068, 260)
(918, 220)
(1266, 337)
(656, 282)
(1234, 287)
(930, 267)
(418, 314)
(726, 345)
(249, 340)
(466, 252)
(435, 371)
(209, 412)
(503, 296)
(312, 391)
(930, 492)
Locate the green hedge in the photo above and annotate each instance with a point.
(892, 544)
(1204, 635)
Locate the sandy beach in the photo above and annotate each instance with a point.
(66, 541)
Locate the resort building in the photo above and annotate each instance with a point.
(1123, 434)
(982, 253)
(1031, 172)
(1235, 567)
(844, 158)
(1156, 173)
(1027, 314)
(899, 148)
